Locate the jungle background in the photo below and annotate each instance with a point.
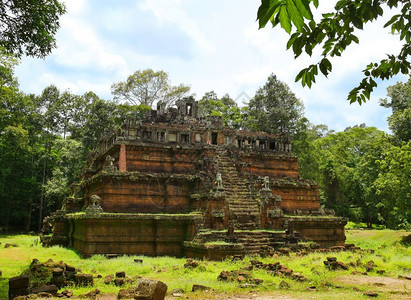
(363, 173)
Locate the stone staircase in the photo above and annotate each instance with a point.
(244, 212)
(254, 241)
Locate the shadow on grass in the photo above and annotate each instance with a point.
(4, 288)
(406, 240)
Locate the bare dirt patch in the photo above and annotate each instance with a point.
(398, 288)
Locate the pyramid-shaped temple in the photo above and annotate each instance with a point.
(176, 184)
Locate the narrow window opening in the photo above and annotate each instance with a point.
(214, 136)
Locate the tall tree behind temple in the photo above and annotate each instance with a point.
(274, 108)
(225, 107)
(303, 145)
(400, 103)
(19, 183)
(148, 87)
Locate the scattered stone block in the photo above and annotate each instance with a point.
(333, 264)
(18, 286)
(284, 285)
(120, 274)
(342, 265)
(146, 289)
(199, 287)
(191, 263)
(70, 268)
(109, 279)
(237, 275)
(92, 294)
(57, 272)
(248, 268)
(42, 295)
(238, 257)
(369, 268)
(119, 281)
(176, 291)
(51, 289)
(137, 260)
(256, 263)
(83, 279)
(315, 246)
(371, 294)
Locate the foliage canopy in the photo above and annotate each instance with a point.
(335, 32)
(28, 27)
(148, 87)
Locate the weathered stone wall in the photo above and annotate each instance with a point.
(142, 193)
(152, 235)
(297, 195)
(162, 159)
(326, 231)
(268, 164)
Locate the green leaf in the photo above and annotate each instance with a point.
(266, 10)
(328, 15)
(292, 40)
(304, 8)
(294, 15)
(284, 18)
(357, 22)
(355, 38)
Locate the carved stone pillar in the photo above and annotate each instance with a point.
(122, 161)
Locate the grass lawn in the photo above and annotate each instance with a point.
(389, 255)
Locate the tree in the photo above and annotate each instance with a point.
(226, 108)
(148, 87)
(7, 64)
(67, 166)
(28, 27)
(393, 186)
(347, 170)
(303, 143)
(274, 108)
(335, 32)
(400, 120)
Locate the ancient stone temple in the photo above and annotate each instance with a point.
(176, 184)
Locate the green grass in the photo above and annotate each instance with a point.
(389, 254)
(359, 225)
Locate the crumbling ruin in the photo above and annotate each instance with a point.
(176, 184)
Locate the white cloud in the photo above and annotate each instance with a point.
(171, 11)
(230, 55)
(81, 47)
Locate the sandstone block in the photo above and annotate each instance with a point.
(147, 289)
(51, 289)
(83, 279)
(199, 287)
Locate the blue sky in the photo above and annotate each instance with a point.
(209, 45)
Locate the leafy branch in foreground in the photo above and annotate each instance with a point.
(29, 27)
(335, 32)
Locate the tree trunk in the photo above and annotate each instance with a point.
(42, 195)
